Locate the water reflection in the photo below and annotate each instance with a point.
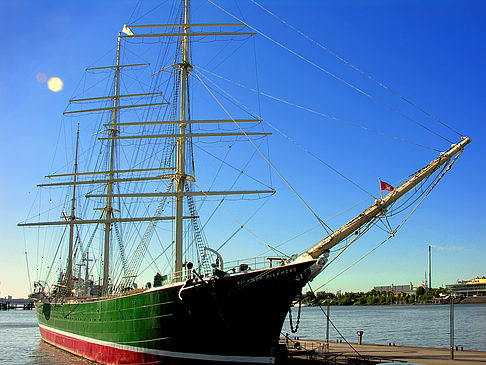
(45, 354)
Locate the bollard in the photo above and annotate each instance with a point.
(360, 337)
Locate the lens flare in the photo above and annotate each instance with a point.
(55, 84)
(41, 77)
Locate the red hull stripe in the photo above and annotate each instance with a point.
(112, 353)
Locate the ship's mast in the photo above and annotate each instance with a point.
(179, 177)
(72, 217)
(111, 174)
(181, 147)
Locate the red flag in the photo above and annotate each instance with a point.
(64, 214)
(385, 186)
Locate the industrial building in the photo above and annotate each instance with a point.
(407, 288)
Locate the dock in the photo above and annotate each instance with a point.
(9, 303)
(319, 352)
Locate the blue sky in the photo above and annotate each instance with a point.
(433, 53)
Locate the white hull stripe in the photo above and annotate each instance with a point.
(164, 353)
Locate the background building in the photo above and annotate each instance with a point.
(408, 288)
(469, 288)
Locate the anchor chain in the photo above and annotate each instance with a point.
(292, 329)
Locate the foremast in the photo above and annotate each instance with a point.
(378, 208)
(180, 176)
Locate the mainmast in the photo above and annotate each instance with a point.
(180, 176)
(72, 217)
(111, 174)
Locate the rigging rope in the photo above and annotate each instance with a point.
(329, 319)
(246, 229)
(153, 262)
(424, 195)
(312, 111)
(145, 14)
(339, 332)
(331, 74)
(324, 225)
(223, 161)
(309, 153)
(198, 236)
(121, 248)
(55, 255)
(312, 228)
(354, 263)
(233, 167)
(28, 271)
(355, 67)
(242, 226)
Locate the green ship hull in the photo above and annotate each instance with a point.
(232, 319)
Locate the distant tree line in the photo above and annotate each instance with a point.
(373, 297)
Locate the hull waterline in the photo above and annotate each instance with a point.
(215, 321)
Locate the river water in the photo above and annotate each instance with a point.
(20, 342)
(410, 325)
(419, 325)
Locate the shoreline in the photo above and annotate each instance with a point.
(468, 300)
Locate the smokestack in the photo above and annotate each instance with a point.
(430, 262)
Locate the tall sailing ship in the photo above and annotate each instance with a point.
(204, 310)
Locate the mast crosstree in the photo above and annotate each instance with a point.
(181, 190)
